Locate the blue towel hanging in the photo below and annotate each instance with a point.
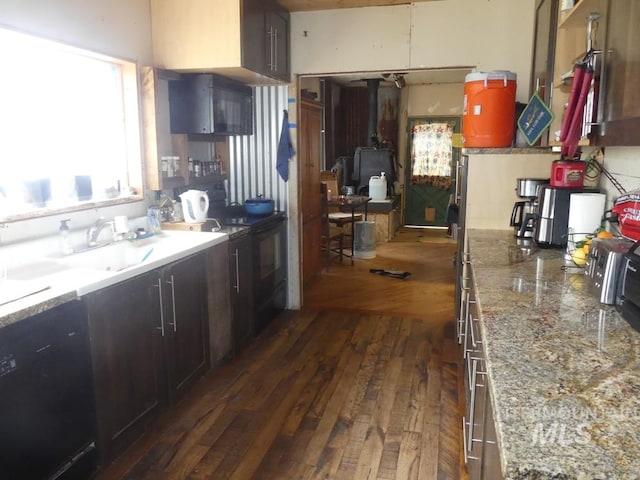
(285, 149)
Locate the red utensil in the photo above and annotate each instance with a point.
(570, 145)
(578, 74)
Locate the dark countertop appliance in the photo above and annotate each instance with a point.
(523, 213)
(605, 268)
(630, 308)
(552, 214)
(210, 104)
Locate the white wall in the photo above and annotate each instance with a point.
(119, 28)
(491, 186)
(488, 34)
(624, 165)
(425, 100)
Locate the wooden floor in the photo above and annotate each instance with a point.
(361, 384)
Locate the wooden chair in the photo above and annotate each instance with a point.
(332, 237)
(341, 219)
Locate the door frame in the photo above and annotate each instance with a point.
(456, 153)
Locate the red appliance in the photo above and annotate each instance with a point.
(567, 173)
(627, 208)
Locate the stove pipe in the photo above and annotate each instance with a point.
(372, 100)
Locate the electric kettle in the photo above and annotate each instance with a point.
(195, 206)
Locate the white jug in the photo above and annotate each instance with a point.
(195, 206)
(378, 187)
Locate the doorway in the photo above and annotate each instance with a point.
(430, 176)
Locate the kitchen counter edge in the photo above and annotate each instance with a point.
(563, 369)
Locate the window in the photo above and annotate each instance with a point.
(69, 128)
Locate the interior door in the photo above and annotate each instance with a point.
(431, 171)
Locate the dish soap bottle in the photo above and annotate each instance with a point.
(65, 239)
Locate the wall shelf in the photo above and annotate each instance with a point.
(577, 17)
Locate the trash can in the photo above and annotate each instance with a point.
(365, 239)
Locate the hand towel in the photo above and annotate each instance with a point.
(285, 149)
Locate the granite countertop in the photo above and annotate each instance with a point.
(234, 231)
(564, 369)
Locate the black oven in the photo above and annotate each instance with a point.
(269, 246)
(269, 270)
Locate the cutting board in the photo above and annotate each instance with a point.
(192, 227)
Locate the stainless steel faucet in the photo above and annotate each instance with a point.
(94, 231)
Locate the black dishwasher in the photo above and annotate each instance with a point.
(47, 410)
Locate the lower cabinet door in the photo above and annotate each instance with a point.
(185, 323)
(126, 347)
(491, 463)
(240, 274)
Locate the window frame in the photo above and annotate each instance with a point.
(131, 98)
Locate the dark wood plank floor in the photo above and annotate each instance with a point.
(361, 384)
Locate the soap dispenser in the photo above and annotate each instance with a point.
(65, 239)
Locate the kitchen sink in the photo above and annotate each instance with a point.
(99, 267)
(115, 256)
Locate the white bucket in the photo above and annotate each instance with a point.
(365, 239)
(378, 187)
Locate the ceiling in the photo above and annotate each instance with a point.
(309, 5)
(411, 77)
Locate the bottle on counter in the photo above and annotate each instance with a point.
(65, 240)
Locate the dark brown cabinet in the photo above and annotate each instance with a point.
(149, 343)
(277, 44)
(247, 40)
(126, 353)
(265, 38)
(240, 273)
(185, 323)
(620, 112)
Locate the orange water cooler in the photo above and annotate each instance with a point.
(488, 117)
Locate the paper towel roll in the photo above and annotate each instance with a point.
(585, 216)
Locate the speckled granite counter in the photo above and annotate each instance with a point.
(34, 304)
(564, 370)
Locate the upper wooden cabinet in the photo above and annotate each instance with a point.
(571, 46)
(247, 40)
(546, 21)
(616, 117)
(619, 118)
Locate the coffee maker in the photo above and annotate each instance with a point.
(524, 211)
(552, 214)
